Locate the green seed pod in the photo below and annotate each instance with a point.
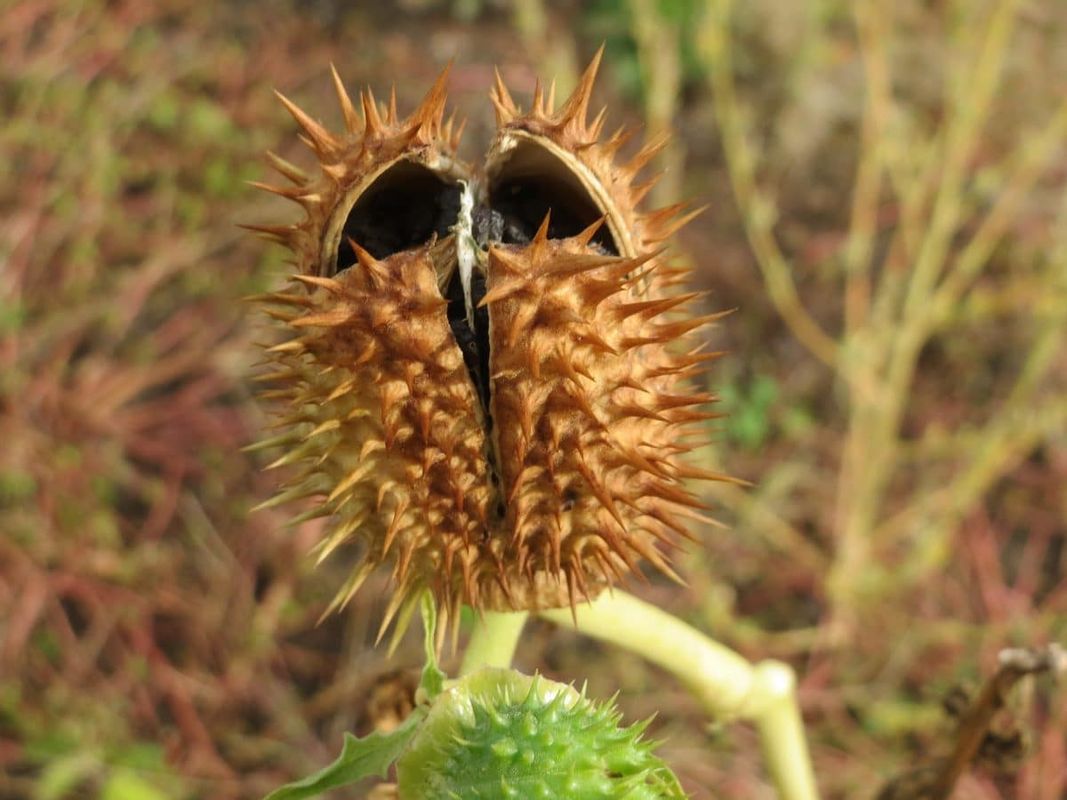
(501, 734)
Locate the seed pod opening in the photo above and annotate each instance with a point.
(530, 179)
(405, 207)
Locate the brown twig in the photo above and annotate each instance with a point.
(936, 780)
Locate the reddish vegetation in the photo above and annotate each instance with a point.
(149, 623)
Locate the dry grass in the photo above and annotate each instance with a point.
(887, 197)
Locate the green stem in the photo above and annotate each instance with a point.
(493, 640)
(725, 683)
(781, 728)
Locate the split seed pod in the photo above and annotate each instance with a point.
(486, 381)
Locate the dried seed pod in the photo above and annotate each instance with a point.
(547, 158)
(388, 183)
(491, 397)
(588, 417)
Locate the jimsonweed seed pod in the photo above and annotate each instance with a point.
(485, 381)
(499, 734)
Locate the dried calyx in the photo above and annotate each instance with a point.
(486, 382)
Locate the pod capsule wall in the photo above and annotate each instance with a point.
(487, 378)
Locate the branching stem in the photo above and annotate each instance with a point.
(726, 684)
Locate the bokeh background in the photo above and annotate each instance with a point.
(886, 212)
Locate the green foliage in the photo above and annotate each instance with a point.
(130, 774)
(360, 758)
(748, 409)
(612, 21)
(125, 784)
(375, 753)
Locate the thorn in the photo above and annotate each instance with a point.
(266, 444)
(391, 117)
(325, 427)
(401, 596)
(403, 621)
(341, 389)
(348, 590)
(646, 154)
(335, 172)
(661, 226)
(676, 330)
(582, 401)
(635, 411)
(598, 489)
(597, 341)
(598, 124)
(639, 191)
(502, 290)
(673, 494)
(619, 138)
(327, 319)
(541, 237)
(537, 105)
(372, 121)
(654, 557)
(282, 234)
(351, 479)
(307, 516)
(457, 137)
(652, 308)
(399, 512)
(579, 263)
(339, 535)
(688, 471)
(374, 268)
(295, 493)
(288, 192)
(669, 402)
(574, 110)
(320, 139)
(446, 129)
(586, 236)
(289, 170)
(507, 258)
(329, 284)
(432, 108)
(347, 109)
(506, 110)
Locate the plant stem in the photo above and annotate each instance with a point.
(493, 640)
(725, 683)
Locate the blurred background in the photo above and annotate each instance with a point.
(886, 213)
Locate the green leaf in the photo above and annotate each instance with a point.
(62, 775)
(433, 679)
(360, 758)
(125, 784)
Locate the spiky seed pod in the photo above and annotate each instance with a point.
(562, 154)
(500, 734)
(491, 397)
(382, 422)
(367, 174)
(588, 421)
